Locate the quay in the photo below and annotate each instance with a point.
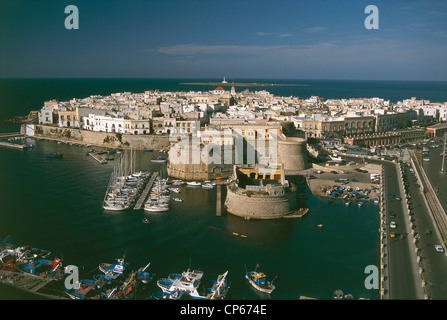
(97, 157)
(13, 145)
(7, 135)
(10, 135)
(145, 192)
(26, 282)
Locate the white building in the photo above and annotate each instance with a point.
(46, 115)
(114, 124)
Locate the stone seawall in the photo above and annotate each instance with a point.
(102, 139)
(262, 206)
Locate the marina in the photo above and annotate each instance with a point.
(197, 237)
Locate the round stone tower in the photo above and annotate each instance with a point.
(292, 149)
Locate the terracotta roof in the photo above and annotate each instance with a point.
(219, 88)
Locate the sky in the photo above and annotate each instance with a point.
(243, 39)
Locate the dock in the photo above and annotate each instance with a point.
(26, 282)
(13, 145)
(97, 157)
(145, 192)
(8, 135)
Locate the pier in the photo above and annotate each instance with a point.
(13, 145)
(26, 282)
(97, 157)
(10, 136)
(7, 135)
(145, 192)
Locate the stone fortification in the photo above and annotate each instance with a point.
(103, 139)
(288, 148)
(253, 205)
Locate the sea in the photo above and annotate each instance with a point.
(56, 204)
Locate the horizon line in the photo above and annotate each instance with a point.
(229, 81)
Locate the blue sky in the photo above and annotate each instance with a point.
(288, 39)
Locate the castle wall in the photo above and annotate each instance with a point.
(260, 206)
(292, 153)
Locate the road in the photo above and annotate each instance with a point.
(404, 280)
(434, 263)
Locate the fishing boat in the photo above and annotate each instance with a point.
(144, 276)
(126, 290)
(259, 281)
(207, 186)
(219, 288)
(177, 199)
(175, 190)
(54, 155)
(113, 270)
(347, 202)
(360, 204)
(86, 290)
(160, 295)
(145, 221)
(188, 282)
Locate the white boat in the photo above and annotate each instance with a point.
(156, 207)
(175, 190)
(194, 184)
(360, 204)
(113, 270)
(125, 185)
(207, 186)
(347, 203)
(187, 282)
(177, 199)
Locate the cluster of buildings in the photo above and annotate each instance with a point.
(360, 121)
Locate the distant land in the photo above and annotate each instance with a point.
(241, 84)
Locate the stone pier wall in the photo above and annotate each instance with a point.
(103, 139)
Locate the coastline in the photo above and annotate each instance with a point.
(242, 84)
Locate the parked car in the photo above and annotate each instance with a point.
(439, 248)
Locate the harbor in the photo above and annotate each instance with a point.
(184, 237)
